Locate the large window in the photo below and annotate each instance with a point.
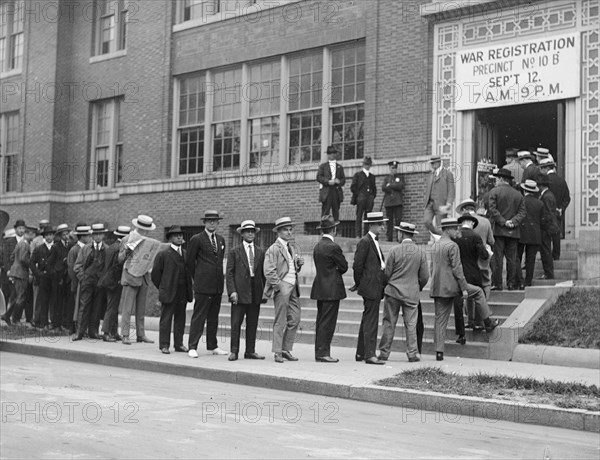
(305, 137)
(12, 19)
(192, 104)
(226, 119)
(10, 148)
(198, 9)
(110, 26)
(106, 165)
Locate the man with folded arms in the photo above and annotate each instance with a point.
(328, 287)
(407, 274)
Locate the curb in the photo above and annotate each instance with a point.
(415, 403)
(557, 356)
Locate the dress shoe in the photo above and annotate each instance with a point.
(491, 325)
(165, 351)
(93, 336)
(217, 351)
(477, 328)
(253, 356)
(439, 356)
(496, 288)
(108, 338)
(413, 359)
(287, 355)
(278, 358)
(233, 357)
(6, 319)
(374, 360)
(182, 349)
(118, 337)
(144, 339)
(359, 358)
(192, 353)
(126, 341)
(78, 337)
(461, 339)
(382, 357)
(326, 359)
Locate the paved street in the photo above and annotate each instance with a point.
(61, 409)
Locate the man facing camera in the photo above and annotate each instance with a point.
(332, 179)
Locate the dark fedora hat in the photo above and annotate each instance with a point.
(327, 222)
(503, 172)
(20, 223)
(174, 229)
(331, 150)
(47, 230)
(470, 217)
(211, 214)
(367, 160)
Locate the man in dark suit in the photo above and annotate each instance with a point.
(57, 267)
(245, 279)
(531, 233)
(439, 194)
(506, 210)
(9, 243)
(328, 287)
(407, 274)
(204, 262)
(332, 179)
(559, 188)
(174, 283)
(20, 275)
(550, 226)
(369, 279)
(83, 233)
(42, 277)
(393, 187)
(530, 169)
(364, 191)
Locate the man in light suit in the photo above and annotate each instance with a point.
(245, 279)
(331, 177)
(407, 274)
(20, 275)
(530, 169)
(439, 194)
(448, 281)
(174, 284)
(369, 280)
(281, 268)
(137, 253)
(328, 287)
(204, 261)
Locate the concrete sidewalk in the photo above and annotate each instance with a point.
(346, 379)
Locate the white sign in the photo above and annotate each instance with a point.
(538, 70)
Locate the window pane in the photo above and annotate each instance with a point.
(305, 137)
(226, 145)
(227, 95)
(348, 130)
(191, 150)
(192, 99)
(306, 77)
(348, 74)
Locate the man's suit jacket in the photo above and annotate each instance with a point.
(113, 269)
(484, 229)
(393, 187)
(39, 262)
(276, 266)
(206, 267)
(165, 275)
(531, 172)
(57, 261)
(324, 176)
(137, 263)
(549, 219)
(505, 203)
(331, 265)
(368, 275)
(531, 226)
(441, 188)
(85, 267)
(558, 186)
(471, 250)
(516, 170)
(363, 187)
(8, 247)
(71, 259)
(447, 279)
(237, 274)
(406, 271)
(21, 260)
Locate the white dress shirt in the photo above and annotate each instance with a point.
(378, 250)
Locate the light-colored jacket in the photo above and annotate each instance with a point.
(447, 278)
(276, 266)
(406, 271)
(22, 257)
(138, 264)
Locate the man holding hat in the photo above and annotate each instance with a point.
(331, 177)
(328, 287)
(393, 187)
(88, 268)
(507, 210)
(245, 281)
(407, 274)
(439, 194)
(20, 276)
(204, 261)
(559, 188)
(137, 253)
(530, 170)
(512, 164)
(110, 281)
(174, 284)
(42, 278)
(369, 279)
(281, 268)
(550, 226)
(531, 236)
(83, 232)
(364, 191)
(448, 281)
(57, 267)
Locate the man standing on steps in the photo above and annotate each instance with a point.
(439, 195)
(204, 261)
(559, 188)
(393, 187)
(332, 179)
(369, 279)
(328, 288)
(530, 170)
(364, 191)
(407, 274)
(549, 226)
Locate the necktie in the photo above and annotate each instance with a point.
(289, 248)
(213, 242)
(251, 259)
(179, 251)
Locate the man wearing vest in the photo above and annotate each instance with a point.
(364, 191)
(331, 177)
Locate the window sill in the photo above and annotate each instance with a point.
(10, 73)
(106, 57)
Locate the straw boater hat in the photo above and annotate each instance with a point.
(98, 228)
(174, 229)
(547, 163)
(407, 228)
(248, 225)
(530, 186)
(464, 203)
(10, 233)
(47, 230)
(375, 218)
(43, 223)
(283, 222)
(461, 219)
(503, 172)
(327, 222)
(29, 228)
(524, 155)
(122, 230)
(541, 152)
(435, 159)
(449, 222)
(144, 222)
(211, 214)
(82, 230)
(62, 228)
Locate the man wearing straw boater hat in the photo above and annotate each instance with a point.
(512, 164)
(136, 252)
(245, 279)
(174, 284)
(369, 280)
(282, 265)
(83, 233)
(57, 266)
(110, 281)
(559, 188)
(42, 278)
(204, 260)
(439, 194)
(550, 226)
(89, 267)
(328, 287)
(531, 232)
(530, 170)
(407, 274)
